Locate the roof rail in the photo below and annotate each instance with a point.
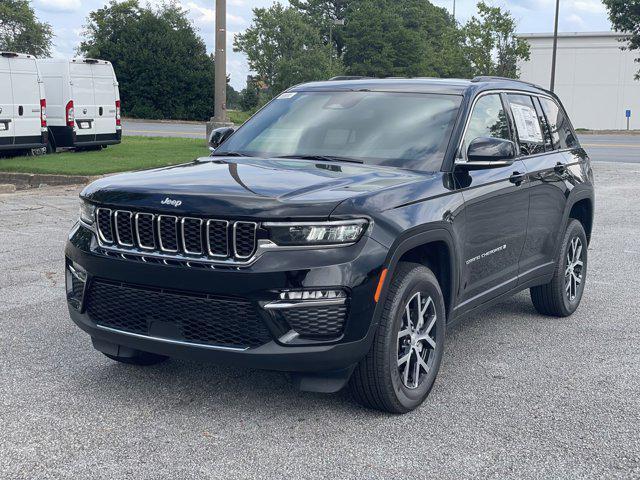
(486, 78)
(349, 77)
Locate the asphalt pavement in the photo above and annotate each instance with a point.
(519, 395)
(604, 148)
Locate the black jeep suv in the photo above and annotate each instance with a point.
(339, 232)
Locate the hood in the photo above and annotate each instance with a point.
(246, 187)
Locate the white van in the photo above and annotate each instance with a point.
(23, 116)
(83, 103)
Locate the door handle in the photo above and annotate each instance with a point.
(560, 168)
(517, 178)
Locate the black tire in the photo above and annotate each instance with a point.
(376, 382)
(553, 299)
(140, 358)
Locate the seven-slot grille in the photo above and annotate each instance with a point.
(178, 235)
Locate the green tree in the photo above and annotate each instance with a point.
(321, 13)
(625, 17)
(284, 49)
(408, 38)
(162, 65)
(491, 45)
(20, 30)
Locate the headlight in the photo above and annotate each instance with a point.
(87, 212)
(320, 233)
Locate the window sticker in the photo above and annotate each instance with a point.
(287, 95)
(526, 123)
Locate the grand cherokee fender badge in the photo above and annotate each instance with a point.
(173, 203)
(486, 254)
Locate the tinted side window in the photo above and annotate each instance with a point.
(546, 131)
(488, 119)
(528, 127)
(561, 131)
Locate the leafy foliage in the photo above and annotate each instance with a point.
(491, 45)
(625, 17)
(162, 65)
(284, 49)
(20, 30)
(322, 13)
(408, 38)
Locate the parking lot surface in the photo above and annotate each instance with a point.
(519, 395)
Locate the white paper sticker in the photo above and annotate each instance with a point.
(286, 95)
(526, 123)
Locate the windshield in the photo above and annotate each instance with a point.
(405, 130)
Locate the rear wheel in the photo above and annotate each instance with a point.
(400, 369)
(140, 358)
(561, 296)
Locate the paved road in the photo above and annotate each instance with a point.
(519, 395)
(607, 148)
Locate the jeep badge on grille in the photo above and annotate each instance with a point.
(173, 203)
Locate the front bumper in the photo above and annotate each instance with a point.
(354, 269)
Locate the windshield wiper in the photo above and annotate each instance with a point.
(230, 154)
(326, 158)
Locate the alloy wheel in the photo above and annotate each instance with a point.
(574, 269)
(417, 340)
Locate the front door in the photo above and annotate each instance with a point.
(495, 212)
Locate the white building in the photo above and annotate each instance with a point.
(594, 77)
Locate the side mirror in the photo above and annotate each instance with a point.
(489, 152)
(218, 136)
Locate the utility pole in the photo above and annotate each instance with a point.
(555, 48)
(220, 118)
(454, 9)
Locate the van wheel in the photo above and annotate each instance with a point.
(561, 296)
(400, 369)
(140, 358)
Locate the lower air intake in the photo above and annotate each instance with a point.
(179, 316)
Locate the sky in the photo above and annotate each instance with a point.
(67, 18)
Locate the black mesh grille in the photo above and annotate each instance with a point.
(168, 227)
(104, 224)
(317, 321)
(123, 227)
(245, 239)
(176, 315)
(192, 235)
(218, 237)
(146, 234)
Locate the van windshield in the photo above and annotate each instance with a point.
(405, 130)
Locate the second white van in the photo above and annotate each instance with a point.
(83, 103)
(23, 116)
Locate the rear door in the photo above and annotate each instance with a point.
(546, 172)
(105, 99)
(82, 92)
(26, 101)
(6, 104)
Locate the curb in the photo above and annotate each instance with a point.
(23, 181)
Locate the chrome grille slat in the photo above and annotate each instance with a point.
(244, 239)
(168, 237)
(168, 233)
(124, 230)
(145, 230)
(105, 226)
(191, 235)
(217, 235)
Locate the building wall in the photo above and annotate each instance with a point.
(594, 78)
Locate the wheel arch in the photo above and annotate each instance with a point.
(433, 248)
(580, 205)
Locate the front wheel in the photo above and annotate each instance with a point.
(561, 296)
(400, 369)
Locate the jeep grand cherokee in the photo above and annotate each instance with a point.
(339, 232)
